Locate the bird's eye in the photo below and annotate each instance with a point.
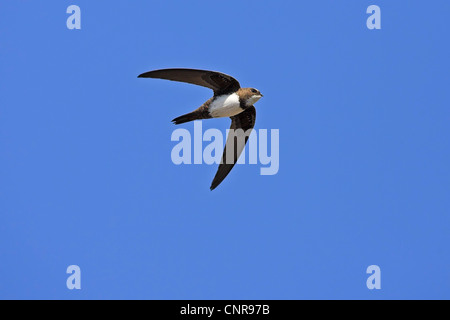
(254, 91)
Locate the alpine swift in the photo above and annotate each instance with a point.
(229, 100)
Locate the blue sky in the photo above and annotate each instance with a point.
(86, 176)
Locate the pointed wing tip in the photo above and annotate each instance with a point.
(214, 185)
(148, 74)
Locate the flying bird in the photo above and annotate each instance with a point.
(229, 100)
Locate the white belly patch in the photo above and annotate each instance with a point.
(227, 105)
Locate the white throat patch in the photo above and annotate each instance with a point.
(252, 100)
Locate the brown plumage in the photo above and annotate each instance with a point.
(201, 113)
(245, 121)
(229, 98)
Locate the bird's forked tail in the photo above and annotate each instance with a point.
(191, 116)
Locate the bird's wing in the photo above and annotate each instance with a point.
(236, 141)
(220, 83)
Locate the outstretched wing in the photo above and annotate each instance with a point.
(219, 82)
(236, 141)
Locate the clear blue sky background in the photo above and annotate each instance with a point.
(86, 176)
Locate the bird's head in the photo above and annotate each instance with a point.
(249, 95)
